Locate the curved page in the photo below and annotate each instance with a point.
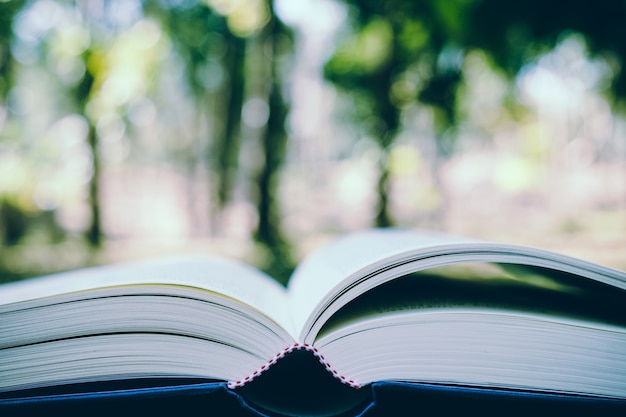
(342, 271)
(231, 279)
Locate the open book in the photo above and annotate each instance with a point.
(374, 306)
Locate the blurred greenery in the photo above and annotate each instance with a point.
(257, 128)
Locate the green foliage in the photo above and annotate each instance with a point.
(516, 32)
(13, 222)
(393, 37)
(363, 54)
(377, 62)
(392, 56)
(414, 35)
(8, 11)
(513, 33)
(198, 34)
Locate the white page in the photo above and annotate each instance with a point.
(325, 269)
(333, 269)
(232, 279)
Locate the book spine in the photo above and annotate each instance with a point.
(287, 350)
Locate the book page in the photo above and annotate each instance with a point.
(484, 348)
(229, 278)
(338, 273)
(324, 270)
(515, 289)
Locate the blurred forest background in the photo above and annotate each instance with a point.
(259, 129)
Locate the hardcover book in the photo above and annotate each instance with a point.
(374, 309)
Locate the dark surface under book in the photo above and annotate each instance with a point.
(379, 399)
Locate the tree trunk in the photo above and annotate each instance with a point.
(94, 231)
(386, 134)
(228, 143)
(274, 141)
(383, 217)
